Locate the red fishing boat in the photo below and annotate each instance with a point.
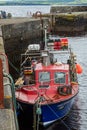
(48, 85)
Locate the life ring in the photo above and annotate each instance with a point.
(64, 90)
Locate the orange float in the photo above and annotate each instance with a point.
(79, 68)
(64, 42)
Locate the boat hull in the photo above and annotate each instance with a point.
(49, 112)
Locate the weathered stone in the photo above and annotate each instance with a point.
(67, 8)
(7, 119)
(18, 33)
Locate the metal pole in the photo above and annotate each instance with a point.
(45, 38)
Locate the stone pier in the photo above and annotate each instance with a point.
(8, 118)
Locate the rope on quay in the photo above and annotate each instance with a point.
(13, 97)
(36, 114)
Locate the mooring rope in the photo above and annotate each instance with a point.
(15, 68)
(11, 84)
(36, 114)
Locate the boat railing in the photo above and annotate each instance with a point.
(59, 52)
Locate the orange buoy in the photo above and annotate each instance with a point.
(79, 68)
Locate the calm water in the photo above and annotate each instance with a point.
(23, 11)
(77, 118)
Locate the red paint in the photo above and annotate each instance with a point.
(30, 93)
(57, 45)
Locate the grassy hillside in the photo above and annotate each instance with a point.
(50, 2)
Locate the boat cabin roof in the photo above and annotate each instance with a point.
(60, 67)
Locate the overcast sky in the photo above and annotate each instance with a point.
(6, 0)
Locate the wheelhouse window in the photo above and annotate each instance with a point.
(59, 77)
(44, 77)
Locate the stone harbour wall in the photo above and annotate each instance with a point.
(18, 33)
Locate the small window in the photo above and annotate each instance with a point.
(44, 77)
(59, 77)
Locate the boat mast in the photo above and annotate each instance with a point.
(45, 52)
(45, 37)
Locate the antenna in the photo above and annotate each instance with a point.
(45, 29)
